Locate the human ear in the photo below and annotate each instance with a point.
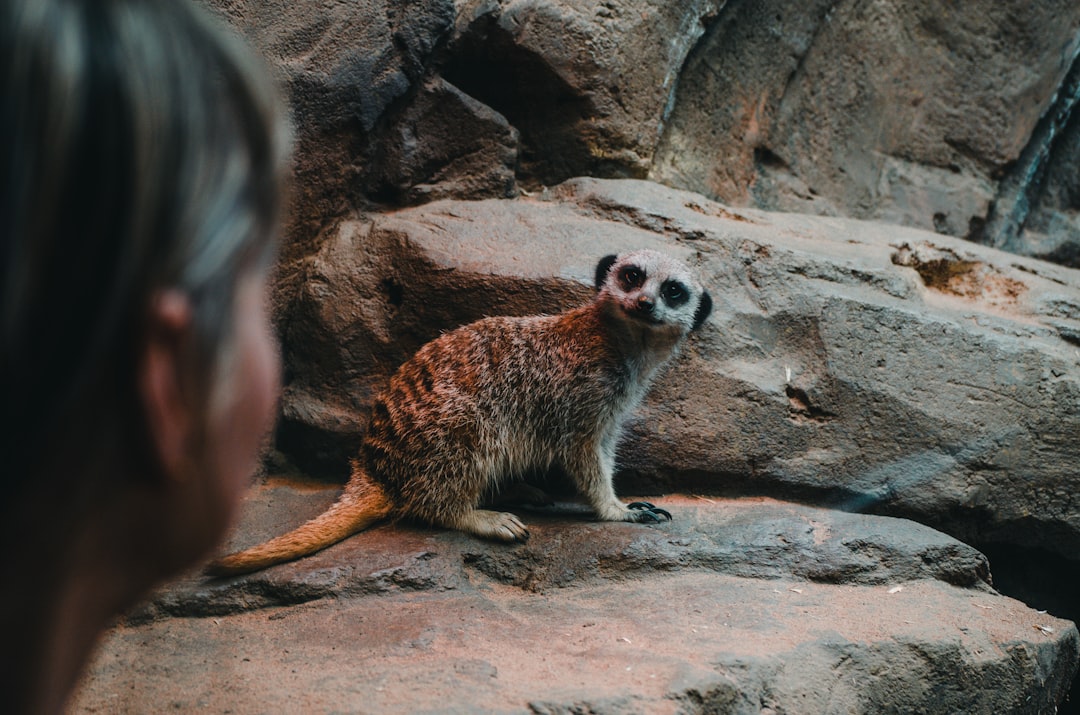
(161, 379)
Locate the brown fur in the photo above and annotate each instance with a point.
(492, 400)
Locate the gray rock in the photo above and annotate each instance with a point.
(346, 69)
(739, 606)
(446, 144)
(588, 85)
(907, 112)
(914, 113)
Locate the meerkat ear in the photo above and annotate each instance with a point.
(602, 269)
(703, 309)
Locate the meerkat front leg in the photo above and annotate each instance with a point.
(593, 470)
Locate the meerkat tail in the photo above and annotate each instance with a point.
(355, 510)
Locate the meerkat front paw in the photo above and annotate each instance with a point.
(643, 511)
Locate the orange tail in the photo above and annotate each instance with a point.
(355, 510)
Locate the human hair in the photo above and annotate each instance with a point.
(143, 151)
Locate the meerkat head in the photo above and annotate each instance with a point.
(653, 289)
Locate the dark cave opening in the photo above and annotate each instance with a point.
(1044, 581)
(486, 64)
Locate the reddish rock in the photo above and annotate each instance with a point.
(735, 606)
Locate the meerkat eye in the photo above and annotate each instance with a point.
(674, 293)
(632, 277)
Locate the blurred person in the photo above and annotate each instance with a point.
(142, 159)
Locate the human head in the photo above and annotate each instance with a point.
(141, 167)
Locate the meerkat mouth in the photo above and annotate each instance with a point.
(642, 317)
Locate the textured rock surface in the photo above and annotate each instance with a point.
(910, 112)
(873, 368)
(347, 69)
(1052, 229)
(958, 120)
(587, 84)
(735, 606)
(446, 144)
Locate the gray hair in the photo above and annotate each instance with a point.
(143, 150)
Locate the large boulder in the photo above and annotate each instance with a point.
(868, 367)
(748, 606)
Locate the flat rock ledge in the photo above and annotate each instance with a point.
(736, 606)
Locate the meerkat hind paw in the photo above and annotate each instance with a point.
(535, 496)
(644, 511)
(499, 525)
(513, 530)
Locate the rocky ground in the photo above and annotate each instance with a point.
(736, 606)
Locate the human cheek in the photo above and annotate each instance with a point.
(255, 386)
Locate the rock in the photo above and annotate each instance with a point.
(900, 111)
(445, 145)
(1052, 228)
(961, 122)
(867, 367)
(588, 86)
(346, 69)
(734, 606)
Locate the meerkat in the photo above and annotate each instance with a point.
(490, 401)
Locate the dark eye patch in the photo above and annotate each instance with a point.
(674, 293)
(632, 276)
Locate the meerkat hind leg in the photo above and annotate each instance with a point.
(498, 525)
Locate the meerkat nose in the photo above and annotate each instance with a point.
(645, 303)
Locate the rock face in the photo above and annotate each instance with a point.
(743, 606)
(872, 368)
(346, 69)
(960, 121)
(587, 84)
(908, 112)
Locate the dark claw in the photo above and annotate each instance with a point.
(648, 512)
